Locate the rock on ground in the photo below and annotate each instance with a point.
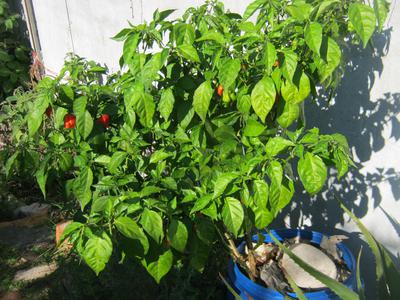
(315, 258)
(35, 272)
(11, 295)
(32, 210)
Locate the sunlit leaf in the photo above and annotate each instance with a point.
(201, 99)
(232, 214)
(362, 17)
(263, 97)
(312, 172)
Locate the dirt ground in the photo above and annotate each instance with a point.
(27, 250)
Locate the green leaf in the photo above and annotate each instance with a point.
(131, 230)
(84, 123)
(82, 185)
(144, 106)
(338, 288)
(120, 36)
(323, 6)
(312, 172)
(129, 48)
(228, 72)
(247, 27)
(289, 64)
(381, 9)
(289, 114)
(79, 105)
(177, 235)
(116, 160)
(56, 138)
(360, 288)
(362, 17)
(253, 128)
(222, 182)
(276, 145)
(184, 34)
(67, 93)
(158, 156)
(269, 56)
(331, 55)
(244, 104)
(261, 192)
(149, 190)
(251, 8)
(102, 204)
(201, 99)
(10, 163)
(136, 64)
(286, 194)
(275, 174)
(166, 104)
(66, 161)
(199, 252)
(97, 252)
(289, 91)
(299, 293)
(59, 116)
(224, 133)
(201, 203)
(313, 36)
(387, 274)
(205, 230)
(263, 97)
(69, 230)
(159, 268)
(189, 52)
(102, 159)
(152, 224)
(341, 162)
(263, 217)
(212, 36)
(232, 215)
(151, 68)
(299, 10)
(230, 288)
(302, 83)
(41, 177)
(35, 116)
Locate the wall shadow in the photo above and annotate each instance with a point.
(362, 119)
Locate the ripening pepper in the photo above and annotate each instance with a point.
(69, 121)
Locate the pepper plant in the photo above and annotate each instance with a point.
(199, 139)
(14, 54)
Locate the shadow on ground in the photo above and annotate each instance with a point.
(73, 279)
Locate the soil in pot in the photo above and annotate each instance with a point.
(273, 265)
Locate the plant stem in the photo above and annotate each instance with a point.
(234, 251)
(253, 273)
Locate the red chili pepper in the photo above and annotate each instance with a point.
(220, 90)
(104, 120)
(69, 121)
(276, 63)
(49, 111)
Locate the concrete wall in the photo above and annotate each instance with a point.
(85, 27)
(366, 106)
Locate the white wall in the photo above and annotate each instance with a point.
(85, 27)
(363, 110)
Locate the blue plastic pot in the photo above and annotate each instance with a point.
(248, 289)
